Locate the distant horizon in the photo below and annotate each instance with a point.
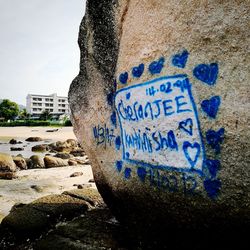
(39, 52)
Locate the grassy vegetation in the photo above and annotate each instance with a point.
(35, 123)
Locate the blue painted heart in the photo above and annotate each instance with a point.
(211, 106)
(155, 67)
(138, 70)
(180, 60)
(119, 166)
(123, 78)
(215, 138)
(187, 126)
(192, 152)
(206, 73)
(141, 172)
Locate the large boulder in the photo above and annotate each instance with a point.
(6, 163)
(53, 162)
(34, 139)
(161, 106)
(20, 162)
(36, 161)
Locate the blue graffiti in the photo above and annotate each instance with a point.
(110, 98)
(123, 78)
(138, 70)
(155, 67)
(187, 146)
(118, 142)
(212, 187)
(113, 119)
(103, 135)
(141, 172)
(213, 166)
(187, 126)
(127, 173)
(154, 141)
(180, 60)
(128, 95)
(153, 110)
(119, 166)
(207, 73)
(215, 138)
(211, 106)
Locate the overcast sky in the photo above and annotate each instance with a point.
(38, 46)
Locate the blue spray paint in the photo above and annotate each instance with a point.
(193, 147)
(155, 67)
(211, 106)
(212, 187)
(123, 78)
(215, 138)
(180, 60)
(118, 142)
(213, 166)
(119, 166)
(138, 70)
(206, 73)
(187, 126)
(127, 173)
(113, 119)
(141, 172)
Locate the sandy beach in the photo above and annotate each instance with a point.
(63, 133)
(35, 183)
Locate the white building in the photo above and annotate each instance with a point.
(56, 105)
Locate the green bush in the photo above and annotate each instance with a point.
(31, 123)
(68, 123)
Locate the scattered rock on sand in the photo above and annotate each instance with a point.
(75, 174)
(14, 141)
(78, 152)
(16, 149)
(36, 161)
(34, 139)
(8, 175)
(6, 163)
(20, 162)
(91, 181)
(72, 162)
(40, 148)
(53, 162)
(63, 156)
(37, 188)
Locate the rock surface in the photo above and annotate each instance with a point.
(161, 106)
(34, 139)
(53, 162)
(7, 167)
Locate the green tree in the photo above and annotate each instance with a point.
(24, 114)
(8, 109)
(45, 115)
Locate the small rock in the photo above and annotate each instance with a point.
(34, 139)
(16, 149)
(91, 181)
(52, 162)
(75, 174)
(80, 186)
(52, 130)
(40, 148)
(78, 152)
(36, 161)
(63, 155)
(20, 162)
(6, 163)
(72, 162)
(37, 188)
(8, 175)
(14, 141)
